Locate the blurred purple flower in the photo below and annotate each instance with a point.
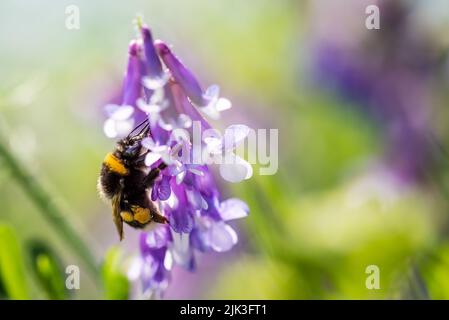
(388, 76)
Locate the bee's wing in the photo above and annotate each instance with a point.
(116, 214)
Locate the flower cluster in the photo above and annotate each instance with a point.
(158, 87)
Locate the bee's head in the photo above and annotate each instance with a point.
(129, 148)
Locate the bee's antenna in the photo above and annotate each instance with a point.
(144, 130)
(144, 122)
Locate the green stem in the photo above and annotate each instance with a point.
(44, 201)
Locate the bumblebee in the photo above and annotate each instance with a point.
(125, 181)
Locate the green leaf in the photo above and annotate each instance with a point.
(116, 283)
(12, 269)
(48, 270)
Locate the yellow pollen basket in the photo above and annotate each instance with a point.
(141, 215)
(126, 216)
(115, 164)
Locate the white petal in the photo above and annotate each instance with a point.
(213, 145)
(148, 107)
(212, 92)
(236, 170)
(233, 209)
(194, 198)
(197, 172)
(160, 149)
(204, 204)
(109, 128)
(249, 168)
(184, 121)
(148, 143)
(210, 111)
(223, 104)
(123, 113)
(181, 248)
(151, 158)
(168, 260)
(169, 159)
(172, 201)
(180, 135)
(158, 96)
(165, 125)
(124, 127)
(111, 108)
(180, 177)
(154, 83)
(234, 135)
(221, 237)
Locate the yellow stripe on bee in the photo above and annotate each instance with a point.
(126, 216)
(141, 215)
(115, 164)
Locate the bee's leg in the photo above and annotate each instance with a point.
(159, 218)
(156, 215)
(153, 174)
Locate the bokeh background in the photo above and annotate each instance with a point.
(363, 144)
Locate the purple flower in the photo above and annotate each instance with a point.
(209, 101)
(154, 66)
(181, 74)
(161, 189)
(215, 234)
(152, 268)
(159, 86)
(121, 118)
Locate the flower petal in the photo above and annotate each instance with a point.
(154, 83)
(235, 169)
(148, 143)
(164, 188)
(233, 209)
(212, 93)
(180, 177)
(168, 261)
(210, 111)
(124, 127)
(157, 238)
(221, 237)
(181, 251)
(151, 158)
(111, 108)
(223, 104)
(184, 121)
(194, 198)
(109, 129)
(154, 67)
(234, 135)
(180, 72)
(181, 220)
(122, 113)
(214, 145)
(148, 108)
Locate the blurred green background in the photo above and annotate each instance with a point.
(363, 167)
